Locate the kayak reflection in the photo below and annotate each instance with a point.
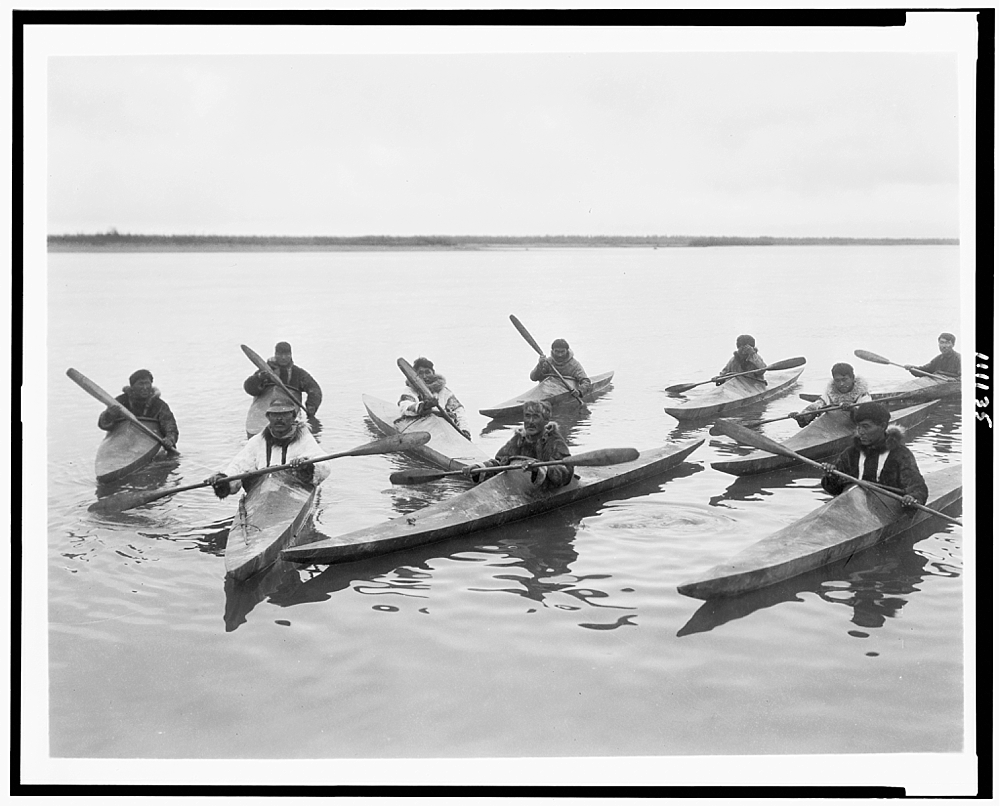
(875, 584)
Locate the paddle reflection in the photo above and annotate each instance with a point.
(875, 584)
(753, 488)
(148, 478)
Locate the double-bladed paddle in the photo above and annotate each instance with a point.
(875, 358)
(264, 367)
(736, 431)
(534, 346)
(892, 399)
(425, 393)
(96, 391)
(129, 498)
(788, 363)
(599, 458)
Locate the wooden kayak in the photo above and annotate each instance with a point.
(447, 448)
(825, 436)
(125, 449)
(551, 389)
(502, 498)
(257, 413)
(854, 520)
(924, 389)
(737, 393)
(269, 518)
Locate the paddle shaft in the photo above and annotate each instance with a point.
(788, 363)
(875, 358)
(97, 392)
(264, 367)
(742, 434)
(534, 345)
(397, 442)
(425, 393)
(598, 458)
(823, 410)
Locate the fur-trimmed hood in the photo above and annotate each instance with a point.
(566, 360)
(894, 438)
(550, 430)
(436, 384)
(127, 389)
(860, 389)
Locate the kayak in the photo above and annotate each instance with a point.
(446, 448)
(270, 517)
(125, 449)
(738, 393)
(854, 520)
(925, 389)
(825, 436)
(257, 413)
(551, 389)
(503, 498)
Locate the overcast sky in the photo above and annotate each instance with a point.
(631, 143)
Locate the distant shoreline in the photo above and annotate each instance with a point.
(114, 242)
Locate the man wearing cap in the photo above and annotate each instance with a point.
(561, 360)
(745, 358)
(539, 439)
(843, 390)
(878, 454)
(284, 440)
(947, 363)
(143, 400)
(291, 374)
(410, 404)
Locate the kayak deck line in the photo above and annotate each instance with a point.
(734, 394)
(827, 435)
(503, 498)
(549, 389)
(855, 520)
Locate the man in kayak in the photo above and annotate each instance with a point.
(285, 440)
(539, 439)
(878, 454)
(843, 390)
(947, 363)
(745, 358)
(561, 361)
(291, 374)
(410, 404)
(143, 400)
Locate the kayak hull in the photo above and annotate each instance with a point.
(270, 517)
(733, 395)
(827, 435)
(852, 521)
(447, 448)
(125, 449)
(504, 498)
(552, 390)
(925, 389)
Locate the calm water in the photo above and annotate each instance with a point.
(564, 636)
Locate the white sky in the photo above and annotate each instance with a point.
(630, 142)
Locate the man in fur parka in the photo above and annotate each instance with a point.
(878, 454)
(843, 390)
(562, 361)
(143, 400)
(539, 439)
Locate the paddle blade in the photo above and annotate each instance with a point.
(810, 398)
(788, 363)
(602, 457)
(525, 334)
(682, 387)
(418, 476)
(391, 444)
(735, 431)
(875, 358)
(119, 502)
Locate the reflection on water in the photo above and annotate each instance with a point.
(151, 477)
(875, 583)
(244, 596)
(761, 485)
